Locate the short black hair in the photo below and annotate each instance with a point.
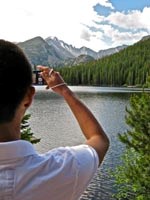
(15, 79)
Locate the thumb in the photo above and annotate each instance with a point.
(47, 87)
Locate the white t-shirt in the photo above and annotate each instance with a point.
(60, 174)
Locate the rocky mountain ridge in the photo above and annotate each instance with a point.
(54, 52)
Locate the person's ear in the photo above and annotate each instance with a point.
(29, 97)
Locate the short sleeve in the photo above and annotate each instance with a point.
(87, 162)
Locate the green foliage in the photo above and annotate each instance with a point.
(130, 66)
(26, 132)
(147, 82)
(133, 176)
(138, 119)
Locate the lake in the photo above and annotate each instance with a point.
(53, 122)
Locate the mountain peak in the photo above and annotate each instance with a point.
(145, 37)
(35, 39)
(55, 52)
(52, 38)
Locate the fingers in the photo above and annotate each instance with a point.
(42, 68)
(52, 78)
(45, 71)
(50, 72)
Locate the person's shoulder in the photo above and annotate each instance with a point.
(79, 156)
(86, 153)
(60, 156)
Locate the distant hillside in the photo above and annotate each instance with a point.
(69, 51)
(131, 66)
(145, 38)
(107, 52)
(39, 52)
(55, 52)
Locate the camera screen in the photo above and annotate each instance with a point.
(37, 78)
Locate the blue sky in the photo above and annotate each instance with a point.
(122, 6)
(97, 24)
(126, 5)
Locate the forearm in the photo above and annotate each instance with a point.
(90, 127)
(88, 123)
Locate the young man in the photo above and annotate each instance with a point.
(60, 174)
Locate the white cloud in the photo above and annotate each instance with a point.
(120, 28)
(132, 20)
(69, 21)
(106, 3)
(118, 38)
(27, 18)
(85, 35)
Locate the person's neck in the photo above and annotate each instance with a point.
(9, 132)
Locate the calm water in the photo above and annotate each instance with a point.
(53, 122)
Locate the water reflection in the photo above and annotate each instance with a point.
(53, 121)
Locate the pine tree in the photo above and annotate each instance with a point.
(26, 132)
(133, 176)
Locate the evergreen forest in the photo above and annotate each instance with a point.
(129, 67)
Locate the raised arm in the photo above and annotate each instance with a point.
(92, 130)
